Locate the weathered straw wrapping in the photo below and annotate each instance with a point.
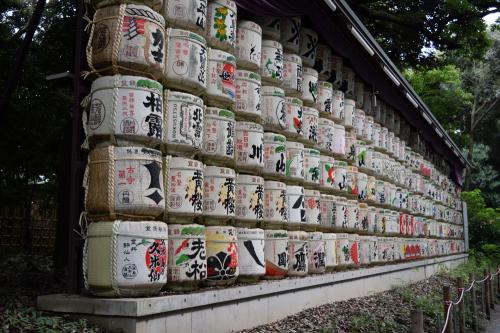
(127, 39)
(124, 182)
(154, 4)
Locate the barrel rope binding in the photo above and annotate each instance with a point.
(83, 224)
(115, 53)
(113, 251)
(116, 89)
(111, 179)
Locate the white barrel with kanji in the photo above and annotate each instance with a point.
(331, 253)
(338, 112)
(348, 113)
(221, 89)
(271, 66)
(353, 215)
(249, 146)
(308, 46)
(290, 33)
(184, 115)
(276, 253)
(312, 206)
(298, 253)
(187, 259)
(363, 217)
(248, 45)
(354, 249)
(296, 204)
(154, 4)
(324, 100)
(273, 109)
(274, 155)
(323, 63)
(125, 258)
(343, 245)
(275, 202)
(359, 123)
(309, 93)
(341, 213)
(340, 176)
(187, 60)
(248, 96)
(352, 182)
(251, 259)
(339, 144)
(218, 135)
(310, 126)
(336, 65)
(326, 136)
(249, 198)
(294, 117)
(327, 210)
(124, 182)
(222, 255)
(372, 219)
(294, 170)
(124, 109)
(219, 192)
(362, 185)
(221, 24)
(327, 173)
(317, 255)
(292, 75)
(311, 167)
(375, 138)
(186, 14)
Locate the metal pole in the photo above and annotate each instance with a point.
(461, 307)
(473, 304)
(416, 321)
(486, 296)
(446, 300)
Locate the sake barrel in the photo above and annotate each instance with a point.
(273, 109)
(296, 205)
(190, 15)
(350, 147)
(340, 176)
(308, 46)
(323, 61)
(376, 135)
(219, 187)
(311, 167)
(124, 109)
(363, 216)
(327, 210)
(294, 117)
(274, 155)
(294, 169)
(359, 123)
(348, 81)
(249, 198)
(388, 143)
(364, 250)
(312, 206)
(345, 253)
(371, 189)
(187, 262)
(222, 255)
(316, 251)
(298, 253)
(330, 251)
(270, 27)
(324, 100)
(352, 183)
(309, 83)
(218, 135)
(186, 63)
(119, 45)
(353, 215)
(251, 260)
(310, 126)
(125, 258)
(379, 192)
(338, 113)
(221, 24)
(341, 213)
(276, 253)
(275, 202)
(249, 146)
(354, 249)
(221, 90)
(327, 173)
(326, 136)
(362, 185)
(290, 33)
(248, 45)
(372, 219)
(124, 182)
(248, 96)
(339, 146)
(154, 4)
(184, 113)
(360, 154)
(336, 65)
(383, 138)
(292, 75)
(184, 183)
(348, 113)
(271, 66)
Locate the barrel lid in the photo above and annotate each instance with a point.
(384, 129)
(326, 159)
(247, 75)
(325, 122)
(270, 137)
(349, 101)
(249, 179)
(272, 91)
(144, 12)
(291, 57)
(272, 43)
(193, 37)
(311, 193)
(137, 229)
(329, 236)
(250, 234)
(221, 233)
(363, 205)
(360, 112)
(274, 185)
(293, 100)
(376, 125)
(276, 234)
(337, 93)
(230, 4)
(294, 145)
(315, 236)
(342, 236)
(311, 151)
(310, 71)
(298, 236)
(182, 96)
(249, 126)
(186, 231)
(184, 163)
(133, 152)
(249, 25)
(224, 113)
(325, 84)
(341, 200)
(353, 237)
(219, 55)
(294, 189)
(218, 171)
(327, 197)
(126, 81)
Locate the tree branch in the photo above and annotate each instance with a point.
(485, 112)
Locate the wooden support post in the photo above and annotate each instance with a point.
(490, 287)
(498, 282)
(486, 292)
(446, 304)
(473, 304)
(417, 321)
(461, 306)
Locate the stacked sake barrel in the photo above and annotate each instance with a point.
(225, 149)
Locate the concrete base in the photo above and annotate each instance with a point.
(236, 308)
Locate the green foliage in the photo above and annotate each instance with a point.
(370, 323)
(484, 176)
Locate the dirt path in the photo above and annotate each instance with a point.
(494, 323)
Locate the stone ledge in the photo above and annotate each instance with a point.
(142, 307)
